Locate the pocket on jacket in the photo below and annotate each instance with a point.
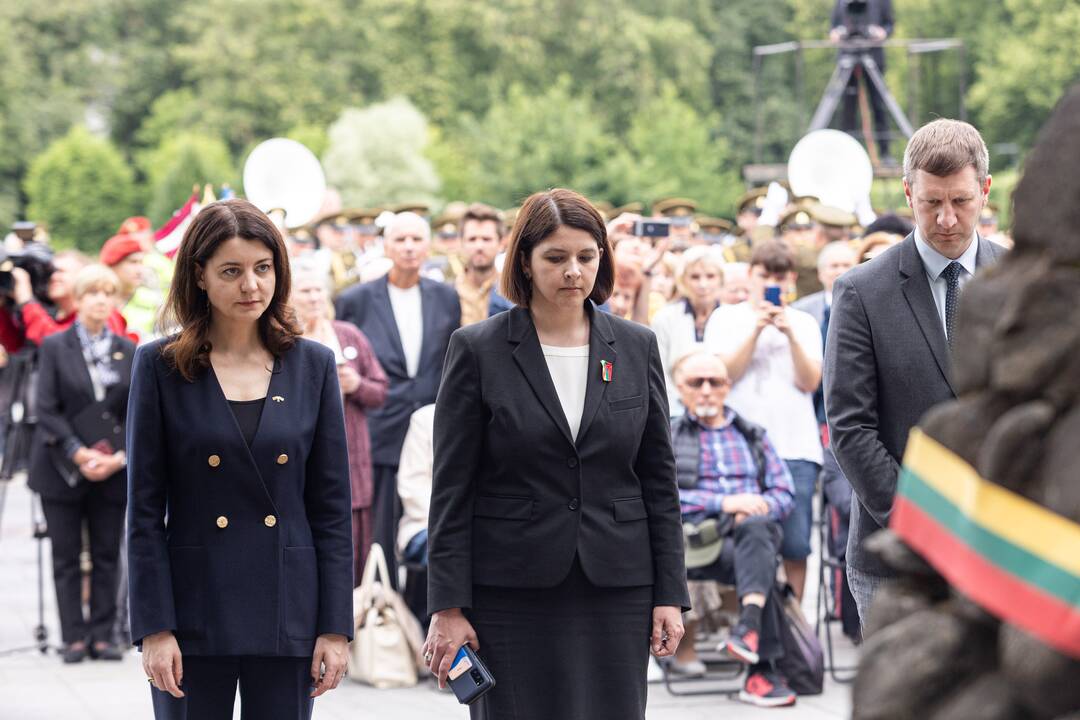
(627, 509)
(504, 508)
(301, 592)
(629, 403)
(187, 566)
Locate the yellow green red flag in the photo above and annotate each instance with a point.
(1015, 558)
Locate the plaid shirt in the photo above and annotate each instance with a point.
(726, 466)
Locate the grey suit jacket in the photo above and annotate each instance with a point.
(813, 304)
(886, 363)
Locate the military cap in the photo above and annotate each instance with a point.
(989, 214)
(674, 207)
(832, 216)
(752, 200)
(714, 225)
(420, 208)
(338, 218)
(446, 225)
(797, 217)
(362, 216)
(634, 208)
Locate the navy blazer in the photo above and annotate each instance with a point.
(515, 497)
(64, 389)
(367, 306)
(239, 551)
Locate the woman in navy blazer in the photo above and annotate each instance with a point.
(239, 539)
(555, 543)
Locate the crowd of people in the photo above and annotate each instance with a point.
(740, 312)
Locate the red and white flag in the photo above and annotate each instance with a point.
(168, 236)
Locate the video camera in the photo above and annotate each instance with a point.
(34, 257)
(855, 24)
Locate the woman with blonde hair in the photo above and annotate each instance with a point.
(681, 325)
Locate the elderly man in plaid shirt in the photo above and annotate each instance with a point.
(729, 471)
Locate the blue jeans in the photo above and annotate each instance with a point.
(416, 551)
(796, 545)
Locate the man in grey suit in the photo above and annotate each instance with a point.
(887, 357)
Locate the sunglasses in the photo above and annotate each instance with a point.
(696, 382)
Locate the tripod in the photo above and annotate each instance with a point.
(40, 531)
(834, 91)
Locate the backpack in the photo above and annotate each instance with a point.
(803, 663)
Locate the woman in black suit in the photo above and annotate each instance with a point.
(84, 371)
(239, 526)
(555, 537)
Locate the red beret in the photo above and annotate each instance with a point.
(134, 225)
(117, 248)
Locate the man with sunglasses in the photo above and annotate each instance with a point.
(733, 485)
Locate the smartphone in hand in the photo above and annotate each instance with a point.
(772, 294)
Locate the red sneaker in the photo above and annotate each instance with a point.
(767, 689)
(742, 644)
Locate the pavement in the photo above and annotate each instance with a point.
(36, 686)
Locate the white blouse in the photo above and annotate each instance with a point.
(569, 368)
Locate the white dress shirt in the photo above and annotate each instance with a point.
(935, 263)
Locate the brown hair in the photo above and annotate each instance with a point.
(188, 305)
(944, 147)
(479, 212)
(775, 256)
(541, 215)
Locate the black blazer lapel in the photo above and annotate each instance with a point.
(385, 312)
(429, 309)
(916, 290)
(601, 348)
(76, 362)
(530, 358)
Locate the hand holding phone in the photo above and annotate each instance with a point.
(772, 294)
(469, 678)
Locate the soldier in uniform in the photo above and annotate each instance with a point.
(719, 232)
(445, 261)
(334, 233)
(680, 211)
(807, 228)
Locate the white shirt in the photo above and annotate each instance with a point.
(414, 475)
(569, 368)
(766, 393)
(935, 263)
(409, 317)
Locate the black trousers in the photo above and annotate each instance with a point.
(385, 514)
(105, 522)
(748, 560)
(271, 688)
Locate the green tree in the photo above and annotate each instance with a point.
(673, 151)
(82, 188)
(530, 142)
(375, 156)
(180, 162)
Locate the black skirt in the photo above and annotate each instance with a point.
(574, 651)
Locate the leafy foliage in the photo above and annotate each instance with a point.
(82, 189)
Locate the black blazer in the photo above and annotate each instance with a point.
(64, 389)
(515, 498)
(886, 363)
(367, 306)
(239, 551)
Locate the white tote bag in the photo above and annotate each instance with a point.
(387, 639)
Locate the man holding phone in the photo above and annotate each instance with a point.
(773, 353)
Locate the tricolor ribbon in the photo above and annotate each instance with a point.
(606, 370)
(1015, 558)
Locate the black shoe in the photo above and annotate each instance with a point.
(106, 651)
(73, 653)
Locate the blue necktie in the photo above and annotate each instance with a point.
(952, 298)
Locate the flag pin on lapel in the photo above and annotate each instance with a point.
(606, 370)
(278, 398)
